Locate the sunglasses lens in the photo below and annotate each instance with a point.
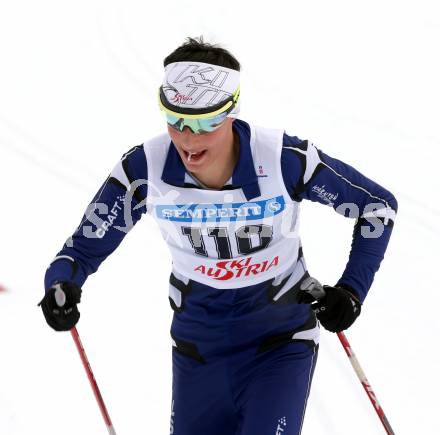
(197, 126)
(173, 121)
(211, 124)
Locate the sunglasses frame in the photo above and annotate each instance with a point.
(197, 126)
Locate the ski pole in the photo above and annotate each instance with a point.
(92, 381)
(316, 290)
(367, 387)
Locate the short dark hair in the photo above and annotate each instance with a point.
(197, 50)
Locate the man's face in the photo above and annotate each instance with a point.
(205, 149)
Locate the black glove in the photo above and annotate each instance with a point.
(59, 306)
(336, 310)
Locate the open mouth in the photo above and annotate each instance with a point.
(194, 157)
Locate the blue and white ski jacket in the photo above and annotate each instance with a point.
(243, 236)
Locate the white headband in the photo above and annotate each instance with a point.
(199, 85)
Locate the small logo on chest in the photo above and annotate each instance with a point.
(260, 172)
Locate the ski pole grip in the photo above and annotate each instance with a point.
(313, 287)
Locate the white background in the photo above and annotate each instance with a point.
(78, 88)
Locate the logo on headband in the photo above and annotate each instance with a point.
(180, 99)
(199, 85)
(199, 76)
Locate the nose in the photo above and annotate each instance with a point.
(187, 130)
(188, 139)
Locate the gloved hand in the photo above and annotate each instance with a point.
(59, 306)
(335, 307)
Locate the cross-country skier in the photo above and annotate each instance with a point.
(226, 195)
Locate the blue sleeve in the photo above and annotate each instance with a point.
(310, 174)
(115, 209)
